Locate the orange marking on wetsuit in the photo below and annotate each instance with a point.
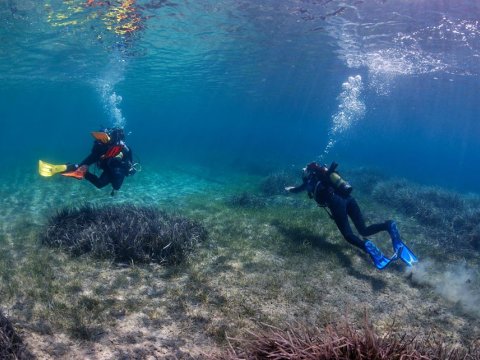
(113, 151)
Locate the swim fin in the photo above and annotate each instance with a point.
(407, 256)
(47, 170)
(380, 260)
(404, 253)
(101, 136)
(78, 173)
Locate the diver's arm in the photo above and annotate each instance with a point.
(94, 155)
(128, 160)
(128, 155)
(297, 189)
(89, 160)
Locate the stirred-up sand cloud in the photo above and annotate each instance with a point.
(455, 282)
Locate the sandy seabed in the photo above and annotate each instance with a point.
(277, 260)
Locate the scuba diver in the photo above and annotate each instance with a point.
(109, 153)
(330, 191)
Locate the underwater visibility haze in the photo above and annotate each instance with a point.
(208, 89)
(394, 84)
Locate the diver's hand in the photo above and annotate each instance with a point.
(289, 188)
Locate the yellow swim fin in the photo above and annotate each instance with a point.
(46, 169)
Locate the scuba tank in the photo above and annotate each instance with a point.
(329, 177)
(340, 186)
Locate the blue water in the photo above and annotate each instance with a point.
(386, 84)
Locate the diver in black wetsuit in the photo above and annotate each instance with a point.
(330, 191)
(111, 155)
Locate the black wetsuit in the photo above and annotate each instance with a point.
(341, 207)
(114, 159)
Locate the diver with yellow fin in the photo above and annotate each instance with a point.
(45, 169)
(329, 190)
(109, 153)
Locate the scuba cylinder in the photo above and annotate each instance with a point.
(329, 177)
(341, 186)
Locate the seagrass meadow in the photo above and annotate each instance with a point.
(270, 269)
(181, 241)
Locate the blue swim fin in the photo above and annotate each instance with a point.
(404, 253)
(380, 260)
(407, 256)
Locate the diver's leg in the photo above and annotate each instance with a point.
(99, 182)
(338, 208)
(118, 175)
(355, 214)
